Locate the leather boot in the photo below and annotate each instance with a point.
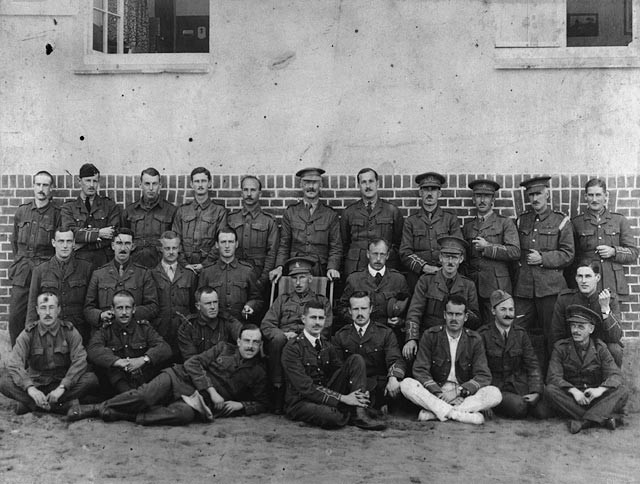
(111, 415)
(362, 420)
(61, 408)
(78, 412)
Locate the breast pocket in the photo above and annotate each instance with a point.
(259, 232)
(61, 354)
(548, 238)
(24, 229)
(419, 238)
(612, 236)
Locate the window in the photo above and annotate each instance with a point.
(147, 36)
(565, 33)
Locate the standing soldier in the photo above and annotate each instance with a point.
(493, 243)
(367, 219)
(310, 229)
(149, 217)
(93, 219)
(197, 222)
(606, 237)
(419, 249)
(34, 225)
(546, 244)
(258, 232)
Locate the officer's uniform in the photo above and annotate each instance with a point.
(537, 287)
(379, 349)
(106, 281)
(33, 230)
(514, 368)
(359, 226)
(258, 239)
(196, 335)
(175, 298)
(609, 329)
(236, 286)
(86, 227)
(148, 224)
(69, 280)
(197, 226)
(610, 229)
(489, 268)
(47, 357)
(137, 338)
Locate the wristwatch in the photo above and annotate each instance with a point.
(146, 359)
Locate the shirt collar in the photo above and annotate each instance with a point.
(165, 266)
(364, 328)
(373, 272)
(310, 339)
(501, 329)
(451, 338)
(485, 217)
(313, 204)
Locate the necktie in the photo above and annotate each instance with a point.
(121, 271)
(170, 272)
(310, 209)
(361, 332)
(481, 220)
(378, 278)
(504, 336)
(318, 346)
(87, 203)
(449, 284)
(369, 207)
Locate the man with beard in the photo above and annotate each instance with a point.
(608, 329)
(419, 249)
(584, 383)
(427, 306)
(197, 222)
(34, 225)
(493, 244)
(66, 276)
(546, 247)
(605, 237)
(149, 217)
(258, 232)
(224, 380)
(95, 220)
(47, 368)
(127, 350)
(451, 379)
(310, 229)
(121, 273)
(515, 370)
(369, 218)
(234, 280)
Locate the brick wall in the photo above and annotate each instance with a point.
(339, 191)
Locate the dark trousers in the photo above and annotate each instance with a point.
(17, 311)
(513, 406)
(274, 348)
(83, 387)
(97, 257)
(486, 316)
(600, 409)
(352, 376)
(535, 315)
(141, 405)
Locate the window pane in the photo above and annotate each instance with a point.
(97, 31)
(598, 23)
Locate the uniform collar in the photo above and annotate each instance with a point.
(52, 329)
(544, 214)
(204, 205)
(223, 265)
(253, 213)
(158, 202)
(373, 272)
(310, 339)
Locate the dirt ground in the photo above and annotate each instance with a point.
(42, 448)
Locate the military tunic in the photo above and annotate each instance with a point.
(196, 335)
(197, 225)
(148, 224)
(359, 227)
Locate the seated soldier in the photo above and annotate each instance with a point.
(47, 368)
(377, 345)
(128, 351)
(513, 363)
(605, 303)
(283, 321)
(385, 285)
(234, 280)
(583, 381)
(322, 389)
(458, 391)
(223, 381)
(121, 273)
(206, 328)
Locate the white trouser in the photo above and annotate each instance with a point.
(483, 399)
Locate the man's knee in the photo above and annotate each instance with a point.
(512, 405)
(491, 395)
(409, 386)
(355, 362)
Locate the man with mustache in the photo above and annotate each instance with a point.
(34, 225)
(427, 307)
(605, 303)
(546, 248)
(94, 219)
(322, 388)
(283, 321)
(515, 370)
(258, 233)
(493, 244)
(419, 249)
(127, 350)
(583, 382)
(606, 237)
(197, 222)
(148, 218)
(310, 229)
(223, 381)
(47, 368)
(66, 276)
(369, 218)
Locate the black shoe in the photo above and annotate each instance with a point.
(610, 423)
(79, 412)
(22, 408)
(363, 421)
(575, 426)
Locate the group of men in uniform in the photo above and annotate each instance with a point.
(175, 305)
